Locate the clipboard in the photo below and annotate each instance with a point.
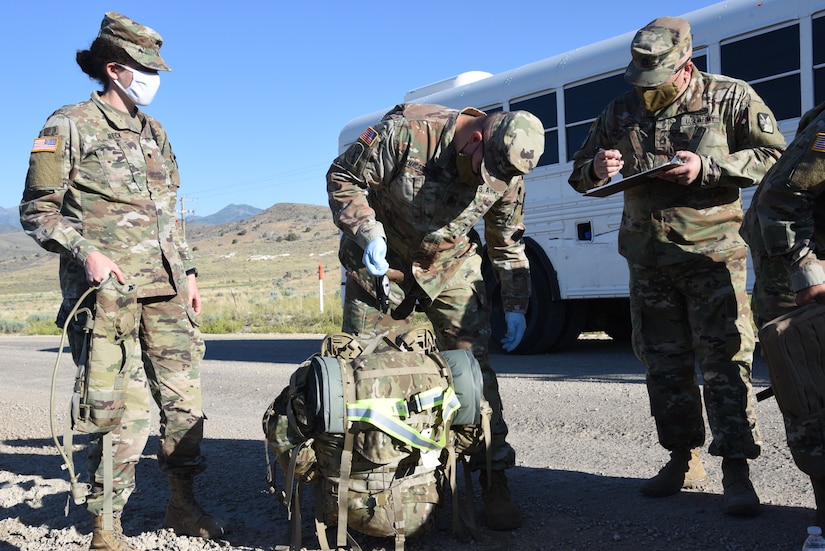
(632, 181)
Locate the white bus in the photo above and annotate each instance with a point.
(580, 282)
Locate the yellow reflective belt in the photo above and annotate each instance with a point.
(386, 415)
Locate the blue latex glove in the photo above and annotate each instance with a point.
(516, 324)
(375, 257)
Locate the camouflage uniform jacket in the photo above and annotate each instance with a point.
(102, 180)
(723, 121)
(787, 215)
(399, 181)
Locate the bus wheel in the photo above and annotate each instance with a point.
(546, 318)
(574, 321)
(619, 327)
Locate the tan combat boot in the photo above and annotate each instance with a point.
(740, 497)
(185, 516)
(499, 510)
(684, 470)
(110, 540)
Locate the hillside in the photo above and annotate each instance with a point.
(274, 253)
(230, 213)
(9, 220)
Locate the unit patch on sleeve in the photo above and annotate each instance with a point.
(819, 143)
(765, 123)
(45, 144)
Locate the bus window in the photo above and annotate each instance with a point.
(770, 63)
(544, 107)
(819, 59)
(583, 103)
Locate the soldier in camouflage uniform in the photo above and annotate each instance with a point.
(406, 196)
(679, 234)
(785, 228)
(101, 192)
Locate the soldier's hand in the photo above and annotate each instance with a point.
(809, 295)
(516, 325)
(194, 294)
(98, 266)
(375, 257)
(688, 172)
(607, 163)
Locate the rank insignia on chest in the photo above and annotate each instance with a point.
(44, 144)
(819, 143)
(368, 136)
(765, 123)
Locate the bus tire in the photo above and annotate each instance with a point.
(574, 321)
(546, 317)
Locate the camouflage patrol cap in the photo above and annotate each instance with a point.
(140, 42)
(513, 144)
(658, 50)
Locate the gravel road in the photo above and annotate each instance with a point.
(578, 420)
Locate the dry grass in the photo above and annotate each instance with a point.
(257, 275)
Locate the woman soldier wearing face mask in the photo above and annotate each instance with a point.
(680, 236)
(101, 192)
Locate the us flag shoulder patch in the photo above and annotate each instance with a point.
(44, 144)
(819, 143)
(368, 136)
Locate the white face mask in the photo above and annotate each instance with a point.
(143, 88)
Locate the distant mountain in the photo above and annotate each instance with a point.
(10, 217)
(278, 220)
(231, 213)
(10, 220)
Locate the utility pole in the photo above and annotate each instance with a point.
(183, 212)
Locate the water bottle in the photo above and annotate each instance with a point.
(815, 539)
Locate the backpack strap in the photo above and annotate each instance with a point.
(348, 383)
(486, 420)
(107, 457)
(398, 522)
(290, 496)
(466, 513)
(449, 472)
(295, 535)
(320, 525)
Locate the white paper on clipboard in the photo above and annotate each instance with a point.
(632, 181)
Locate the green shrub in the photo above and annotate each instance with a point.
(41, 324)
(8, 327)
(217, 324)
(272, 312)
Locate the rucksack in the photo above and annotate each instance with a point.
(105, 316)
(377, 427)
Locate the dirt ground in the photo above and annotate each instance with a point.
(578, 420)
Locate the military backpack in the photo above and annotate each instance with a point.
(377, 428)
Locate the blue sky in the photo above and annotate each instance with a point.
(259, 90)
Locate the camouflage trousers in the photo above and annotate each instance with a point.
(164, 362)
(772, 297)
(693, 313)
(460, 319)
